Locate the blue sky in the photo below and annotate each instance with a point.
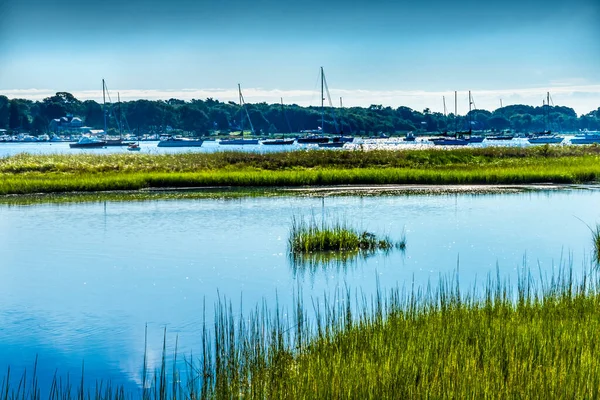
(370, 49)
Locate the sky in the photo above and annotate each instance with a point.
(410, 53)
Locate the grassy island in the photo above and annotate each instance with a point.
(26, 174)
(310, 236)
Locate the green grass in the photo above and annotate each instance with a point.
(540, 341)
(27, 174)
(337, 236)
(596, 243)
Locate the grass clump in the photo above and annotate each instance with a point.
(310, 236)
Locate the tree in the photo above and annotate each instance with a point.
(14, 119)
(498, 122)
(193, 120)
(39, 124)
(4, 112)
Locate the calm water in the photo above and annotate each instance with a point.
(10, 149)
(80, 281)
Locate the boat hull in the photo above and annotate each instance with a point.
(278, 142)
(180, 143)
(314, 139)
(96, 145)
(117, 142)
(503, 137)
(549, 140)
(238, 142)
(585, 140)
(450, 142)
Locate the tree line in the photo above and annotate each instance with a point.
(201, 117)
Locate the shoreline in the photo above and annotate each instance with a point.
(220, 192)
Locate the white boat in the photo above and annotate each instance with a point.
(178, 141)
(586, 138)
(88, 142)
(546, 139)
(450, 141)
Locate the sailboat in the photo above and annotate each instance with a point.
(283, 141)
(316, 136)
(546, 137)
(119, 120)
(241, 141)
(457, 140)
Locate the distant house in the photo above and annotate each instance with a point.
(69, 123)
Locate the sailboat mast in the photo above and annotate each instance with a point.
(547, 111)
(341, 104)
(322, 103)
(455, 112)
(470, 102)
(241, 110)
(444, 100)
(104, 105)
(120, 116)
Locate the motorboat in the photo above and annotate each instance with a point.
(313, 139)
(276, 142)
(88, 142)
(134, 147)
(410, 137)
(545, 139)
(586, 138)
(177, 141)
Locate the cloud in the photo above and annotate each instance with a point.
(582, 98)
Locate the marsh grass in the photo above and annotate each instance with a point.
(26, 174)
(538, 341)
(596, 243)
(309, 236)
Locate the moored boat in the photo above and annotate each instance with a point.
(450, 141)
(313, 139)
(177, 141)
(545, 139)
(87, 142)
(586, 138)
(277, 142)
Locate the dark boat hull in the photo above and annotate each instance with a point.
(117, 142)
(315, 139)
(278, 142)
(238, 142)
(97, 145)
